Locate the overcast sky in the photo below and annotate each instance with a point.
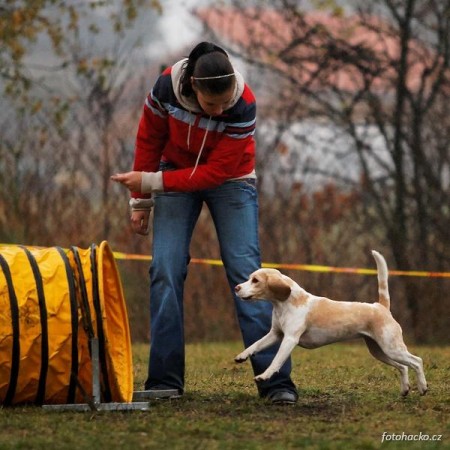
(177, 27)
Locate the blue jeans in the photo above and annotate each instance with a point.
(234, 210)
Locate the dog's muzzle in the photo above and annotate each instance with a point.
(237, 289)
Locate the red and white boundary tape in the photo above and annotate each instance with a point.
(303, 267)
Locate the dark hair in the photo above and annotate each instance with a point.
(207, 60)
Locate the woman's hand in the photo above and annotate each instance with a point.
(144, 182)
(131, 180)
(139, 221)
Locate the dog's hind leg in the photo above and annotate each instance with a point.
(376, 352)
(394, 348)
(402, 356)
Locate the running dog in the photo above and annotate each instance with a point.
(304, 319)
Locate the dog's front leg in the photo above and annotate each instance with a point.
(287, 346)
(266, 341)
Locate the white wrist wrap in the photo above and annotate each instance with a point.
(152, 182)
(141, 204)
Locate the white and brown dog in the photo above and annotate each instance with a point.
(300, 318)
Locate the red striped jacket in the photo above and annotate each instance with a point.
(174, 129)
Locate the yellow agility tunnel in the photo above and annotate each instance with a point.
(52, 301)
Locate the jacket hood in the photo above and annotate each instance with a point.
(191, 103)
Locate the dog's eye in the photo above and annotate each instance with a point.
(254, 280)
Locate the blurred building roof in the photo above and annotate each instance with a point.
(348, 50)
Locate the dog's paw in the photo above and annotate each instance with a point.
(262, 377)
(240, 358)
(405, 390)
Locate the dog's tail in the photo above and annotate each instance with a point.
(383, 290)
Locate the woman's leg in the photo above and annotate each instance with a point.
(175, 216)
(234, 208)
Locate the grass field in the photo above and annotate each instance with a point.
(347, 401)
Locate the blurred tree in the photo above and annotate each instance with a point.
(375, 73)
(75, 75)
(23, 23)
(65, 132)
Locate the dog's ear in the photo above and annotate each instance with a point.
(279, 287)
